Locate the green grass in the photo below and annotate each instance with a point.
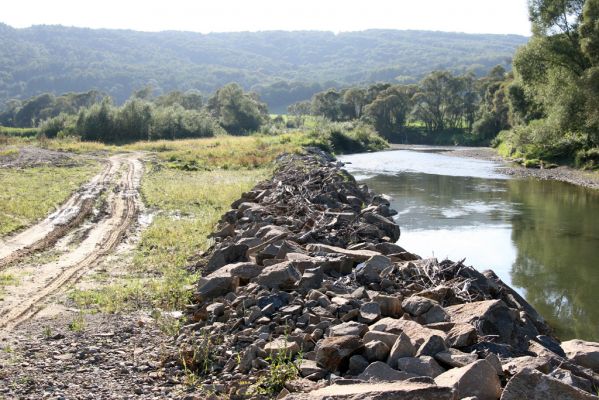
(187, 204)
(30, 194)
(19, 132)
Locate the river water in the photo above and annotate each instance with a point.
(541, 237)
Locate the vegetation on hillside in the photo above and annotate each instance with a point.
(283, 67)
(553, 101)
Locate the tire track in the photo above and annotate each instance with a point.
(103, 239)
(69, 216)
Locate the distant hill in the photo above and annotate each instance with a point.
(282, 66)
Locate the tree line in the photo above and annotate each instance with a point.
(174, 115)
(282, 67)
(440, 106)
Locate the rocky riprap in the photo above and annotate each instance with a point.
(305, 276)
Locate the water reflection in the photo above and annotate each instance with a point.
(540, 236)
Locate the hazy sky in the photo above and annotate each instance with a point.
(472, 16)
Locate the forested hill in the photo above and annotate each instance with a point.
(283, 67)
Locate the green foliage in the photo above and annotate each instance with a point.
(554, 100)
(283, 67)
(346, 137)
(236, 111)
(281, 369)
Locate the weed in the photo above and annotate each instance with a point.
(282, 368)
(47, 332)
(77, 324)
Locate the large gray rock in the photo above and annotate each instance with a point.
(491, 317)
(389, 227)
(417, 305)
(431, 346)
(311, 279)
(227, 255)
(370, 312)
(421, 366)
(379, 371)
(477, 379)
(390, 305)
(402, 347)
(456, 358)
(583, 353)
(377, 391)
(279, 276)
(351, 328)
(387, 338)
(354, 255)
(376, 351)
(370, 270)
(530, 384)
(461, 335)
(333, 353)
(309, 369)
(416, 332)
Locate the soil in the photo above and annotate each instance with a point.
(113, 357)
(31, 156)
(562, 173)
(48, 349)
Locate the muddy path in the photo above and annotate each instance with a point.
(41, 283)
(71, 214)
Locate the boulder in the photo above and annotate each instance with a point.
(417, 333)
(491, 317)
(431, 346)
(282, 345)
(311, 279)
(279, 276)
(530, 384)
(370, 312)
(583, 353)
(402, 347)
(227, 255)
(461, 335)
(435, 314)
(309, 369)
(379, 371)
(377, 391)
(354, 255)
(387, 338)
(370, 270)
(333, 353)
(388, 226)
(477, 379)
(417, 305)
(390, 305)
(567, 377)
(456, 358)
(376, 351)
(420, 366)
(351, 328)
(357, 364)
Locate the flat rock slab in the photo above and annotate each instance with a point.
(530, 384)
(416, 332)
(583, 353)
(354, 255)
(379, 391)
(478, 379)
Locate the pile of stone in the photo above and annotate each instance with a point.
(305, 272)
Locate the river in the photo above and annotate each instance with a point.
(541, 237)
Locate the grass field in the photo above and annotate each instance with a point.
(30, 194)
(187, 186)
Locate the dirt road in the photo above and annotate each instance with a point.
(39, 284)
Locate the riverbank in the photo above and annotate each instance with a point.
(562, 173)
(305, 291)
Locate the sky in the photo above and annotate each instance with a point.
(470, 16)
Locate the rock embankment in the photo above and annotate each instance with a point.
(306, 295)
